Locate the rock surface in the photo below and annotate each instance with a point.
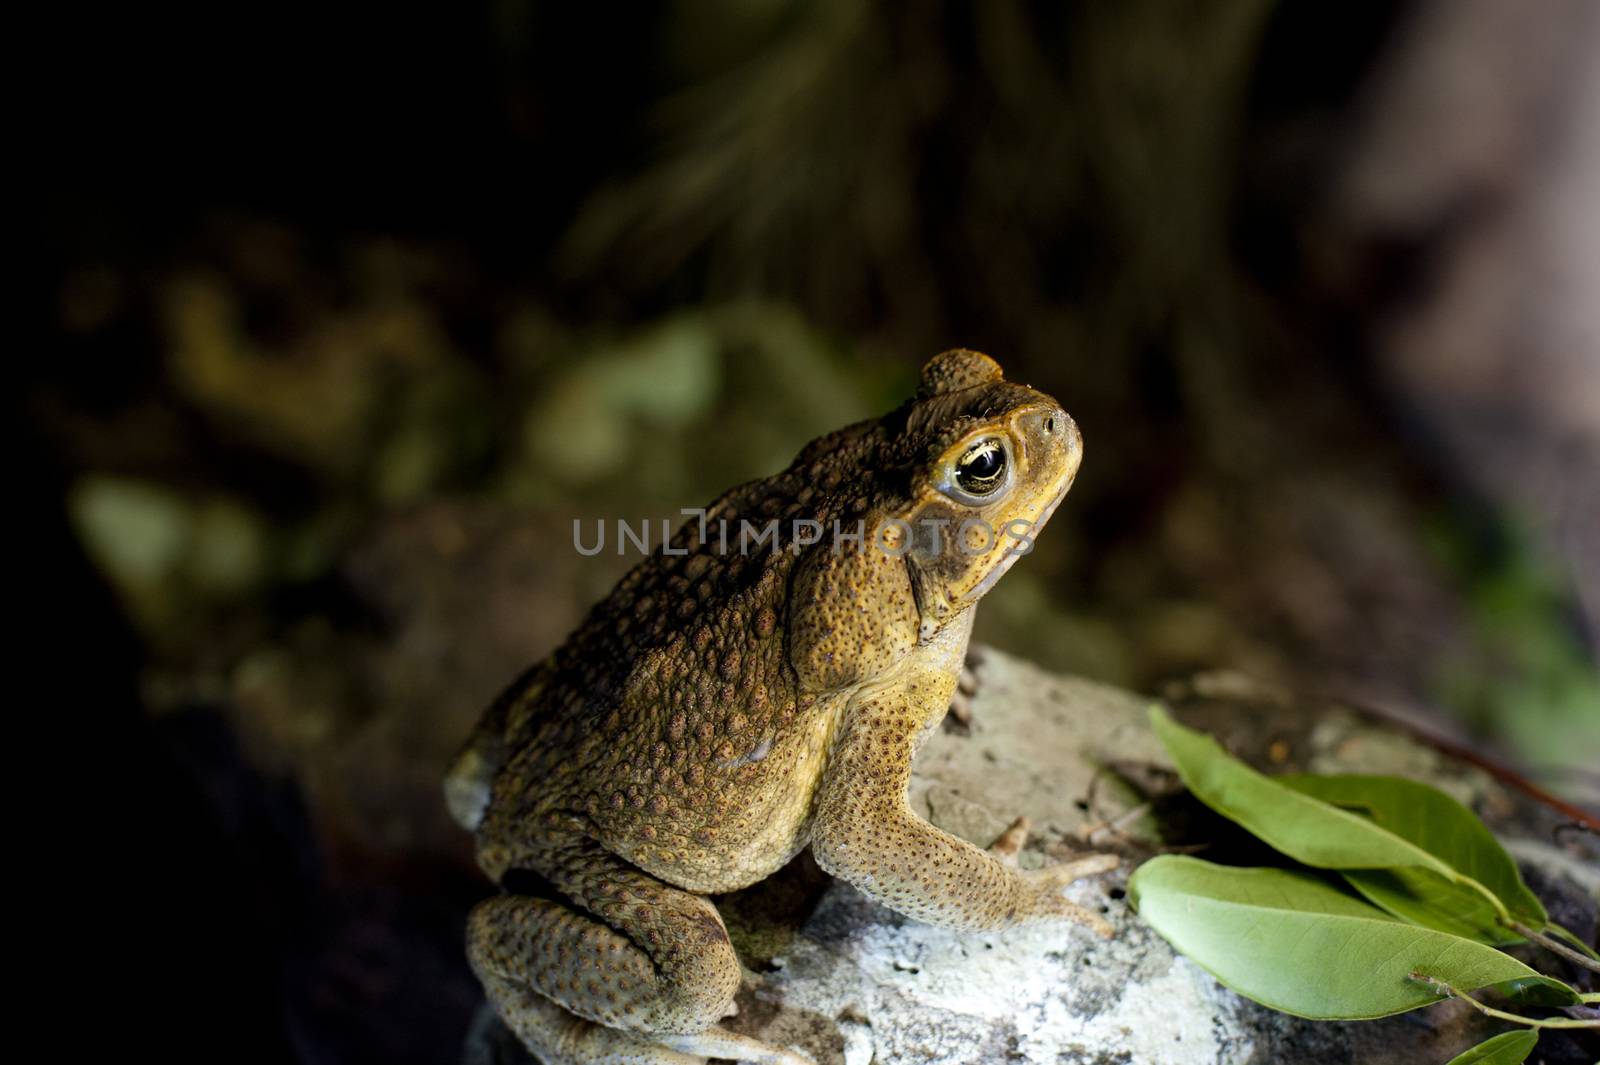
(848, 981)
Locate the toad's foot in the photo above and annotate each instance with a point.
(1048, 881)
(559, 1037)
(721, 1043)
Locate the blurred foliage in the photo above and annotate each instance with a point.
(1525, 675)
(328, 448)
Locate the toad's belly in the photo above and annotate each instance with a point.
(743, 819)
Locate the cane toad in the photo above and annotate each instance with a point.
(728, 705)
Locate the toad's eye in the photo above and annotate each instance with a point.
(981, 470)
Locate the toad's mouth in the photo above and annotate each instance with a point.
(1009, 558)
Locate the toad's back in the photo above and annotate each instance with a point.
(670, 726)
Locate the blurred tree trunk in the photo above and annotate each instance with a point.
(1479, 150)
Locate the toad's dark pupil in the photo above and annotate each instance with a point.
(980, 468)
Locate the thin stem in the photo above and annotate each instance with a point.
(1554, 946)
(1116, 827)
(1504, 915)
(1456, 749)
(1532, 1022)
(1566, 936)
(1590, 998)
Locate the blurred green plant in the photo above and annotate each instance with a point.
(1528, 677)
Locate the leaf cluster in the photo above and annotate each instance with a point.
(1420, 899)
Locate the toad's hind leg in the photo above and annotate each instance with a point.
(557, 1037)
(632, 972)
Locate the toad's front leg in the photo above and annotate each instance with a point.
(866, 833)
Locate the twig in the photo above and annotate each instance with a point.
(1554, 946)
(1571, 826)
(1565, 935)
(1456, 749)
(1532, 1022)
(1116, 827)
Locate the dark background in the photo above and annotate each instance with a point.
(347, 312)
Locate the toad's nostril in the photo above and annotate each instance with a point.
(1049, 424)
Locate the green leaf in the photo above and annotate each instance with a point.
(1507, 1048)
(1297, 824)
(1291, 941)
(1450, 832)
(1423, 897)
(1524, 993)
(1421, 886)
